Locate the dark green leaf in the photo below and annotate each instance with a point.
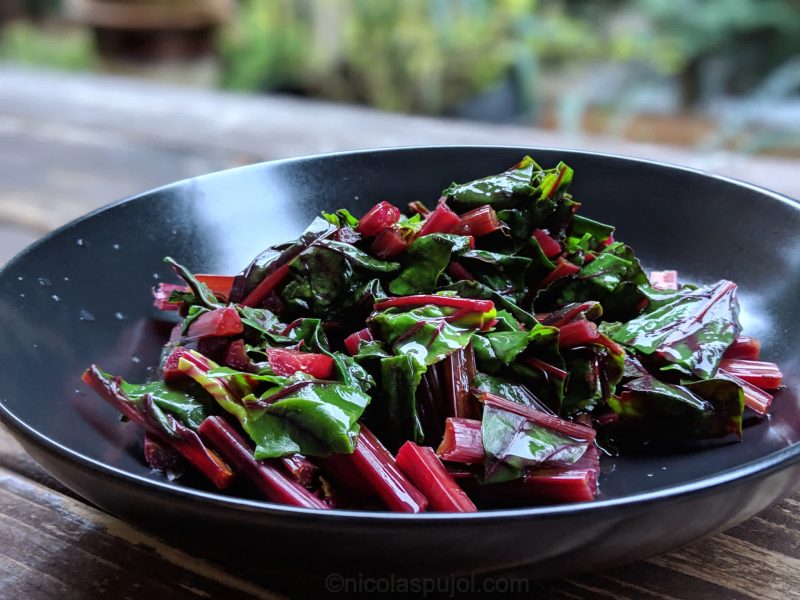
(505, 190)
(704, 409)
(691, 333)
(202, 295)
(423, 332)
(400, 377)
(512, 444)
(315, 419)
(183, 406)
(504, 273)
(427, 257)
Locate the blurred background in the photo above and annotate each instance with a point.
(114, 96)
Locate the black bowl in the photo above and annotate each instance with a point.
(82, 295)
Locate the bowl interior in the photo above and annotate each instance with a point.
(82, 295)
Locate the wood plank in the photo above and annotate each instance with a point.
(757, 559)
(55, 546)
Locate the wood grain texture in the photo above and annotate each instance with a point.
(54, 545)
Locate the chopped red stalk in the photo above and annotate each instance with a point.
(302, 470)
(549, 246)
(220, 285)
(221, 322)
(755, 398)
(477, 222)
(236, 357)
(425, 471)
(457, 383)
(419, 208)
(471, 239)
(578, 333)
(588, 257)
(562, 486)
(462, 441)
(470, 304)
(744, 347)
(458, 272)
(275, 486)
(441, 220)
(765, 375)
(564, 268)
(347, 478)
(288, 362)
(162, 293)
(374, 462)
(573, 430)
(389, 243)
(609, 240)
(353, 341)
(546, 367)
(170, 371)
(378, 218)
(664, 280)
(185, 441)
(267, 286)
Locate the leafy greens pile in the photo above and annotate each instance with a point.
(499, 326)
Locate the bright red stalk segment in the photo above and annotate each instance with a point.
(765, 375)
(378, 218)
(353, 341)
(184, 440)
(562, 486)
(377, 466)
(462, 441)
(578, 333)
(757, 399)
(267, 286)
(744, 347)
(388, 244)
(564, 268)
(477, 222)
(288, 362)
(275, 486)
(220, 285)
(425, 471)
(549, 246)
(441, 220)
(220, 322)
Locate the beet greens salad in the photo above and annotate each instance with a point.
(481, 352)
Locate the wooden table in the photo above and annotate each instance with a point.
(69, 144)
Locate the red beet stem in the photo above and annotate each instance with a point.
(757, 399)
(462, 441)
(185, 441)
(744, 347)
(425, 470)
(376, 464)
(264, 474)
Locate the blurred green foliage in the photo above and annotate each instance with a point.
(430, 55)
(434, 55)
(28, 44)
